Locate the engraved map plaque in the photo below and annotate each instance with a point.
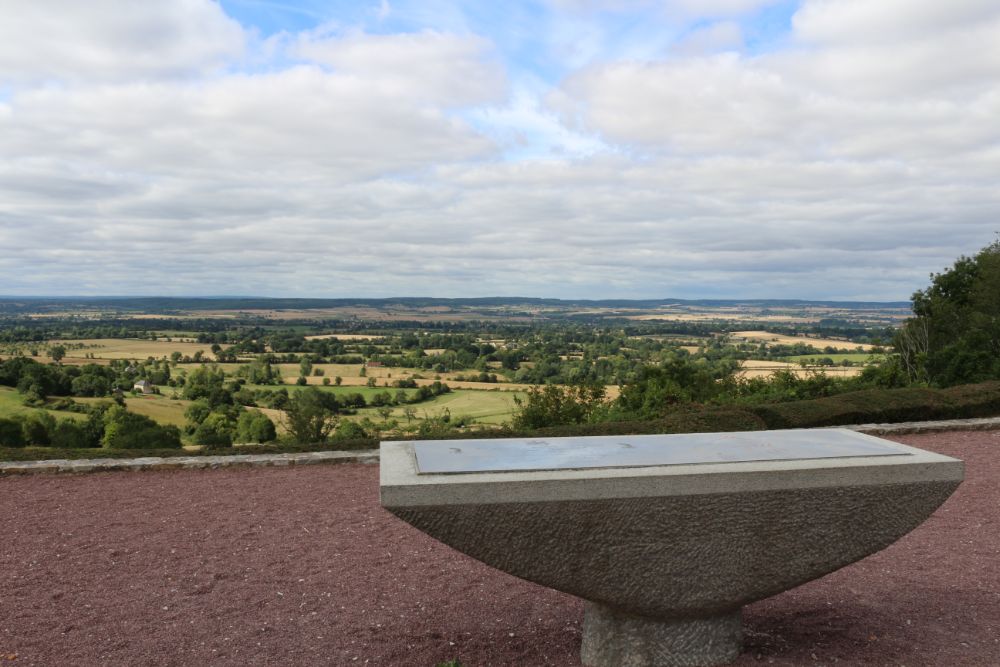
(628, 451)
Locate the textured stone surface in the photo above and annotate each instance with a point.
(613, 638)
(683, 555)
(940, 426)
(184, 462)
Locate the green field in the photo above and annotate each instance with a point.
(367, 392)
(12, 403)
(487, 407)
(162, 409)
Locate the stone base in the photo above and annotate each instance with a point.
(614, 639)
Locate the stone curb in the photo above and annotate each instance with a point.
(371, 455)
(184, 462)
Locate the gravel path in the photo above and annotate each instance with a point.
(300, 566)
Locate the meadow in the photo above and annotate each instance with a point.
(12, 403)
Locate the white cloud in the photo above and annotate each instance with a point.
(933, 95)
(888, 22)
(715, 37)
(441, 68)
(113, 40)
(403, 163)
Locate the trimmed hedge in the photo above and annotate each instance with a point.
(885, 406)
(706, 420)
(49, 453)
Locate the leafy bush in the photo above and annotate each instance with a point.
(349, 430)
(37, 428)
(255, 426)
(216, 430)
(67, 434)
(11, 433)
(127, 430)
(551, 405)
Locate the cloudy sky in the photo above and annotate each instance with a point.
(836, 149)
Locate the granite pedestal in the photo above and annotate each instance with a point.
(667, 536)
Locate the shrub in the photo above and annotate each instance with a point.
(37, 428)
(255, 426)
(885, 405)
(215, 431)
(349, 430)
(694, 420)
(11, 433)
(127, 430)
(69, 435)
(552, 405)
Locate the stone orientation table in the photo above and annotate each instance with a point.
(667, 536)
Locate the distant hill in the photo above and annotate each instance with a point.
(174, 304)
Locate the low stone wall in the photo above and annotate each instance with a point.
(186, 462)
(979, 424)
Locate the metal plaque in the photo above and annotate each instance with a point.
(627, 451)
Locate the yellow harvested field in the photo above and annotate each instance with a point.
(721, 315)
(756, 368)
(768, 337)
(339, 336)
(124, 348)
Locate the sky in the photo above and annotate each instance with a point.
(584, 149)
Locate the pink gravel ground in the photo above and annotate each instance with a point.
(300, 566)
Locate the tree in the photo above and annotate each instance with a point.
(57, 353)
(552, 405)
(954, 336)
(310, 416)
(205, 382)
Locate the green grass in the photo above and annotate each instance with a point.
(162, 409)
(12, 403)
(367, 392)
(486, 407)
